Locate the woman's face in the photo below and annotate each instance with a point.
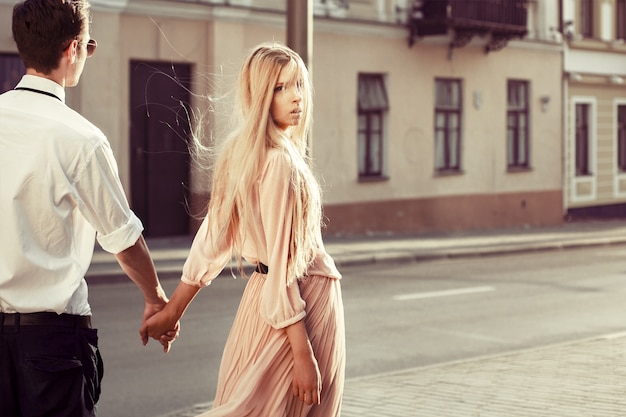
(286, 108)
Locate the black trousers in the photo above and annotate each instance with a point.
(49, 371)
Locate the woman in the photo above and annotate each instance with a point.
(285, 355)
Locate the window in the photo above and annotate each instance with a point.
(517, 124)
(582, 140)
(11, 71)
(448, 99)
(620, 19)
(621, 138)
(373, 105)
(586, 18)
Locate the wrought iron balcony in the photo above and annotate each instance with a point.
(502, 19)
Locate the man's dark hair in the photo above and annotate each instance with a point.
(42, 29)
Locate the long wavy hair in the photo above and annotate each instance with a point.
(241, 157)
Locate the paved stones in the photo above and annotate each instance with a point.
(581, 379)
(578, 379)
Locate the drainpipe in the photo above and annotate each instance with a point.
(300, 28)
(300, 38)
(564, 113)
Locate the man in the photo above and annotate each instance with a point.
(59, 190)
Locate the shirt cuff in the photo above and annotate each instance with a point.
(197, 284)
(288, 322)
(122, 238)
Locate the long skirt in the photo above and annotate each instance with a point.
(255, 377)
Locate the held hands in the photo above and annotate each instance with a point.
(163, 323)
(159, 326)
(165, 337)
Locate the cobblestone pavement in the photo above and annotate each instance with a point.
(578, 379)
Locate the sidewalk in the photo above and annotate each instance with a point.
(585, 378)
(577, 379)
(169, 254)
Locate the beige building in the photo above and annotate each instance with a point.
(595, 110)
(427, 118)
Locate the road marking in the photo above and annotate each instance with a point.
(444, 293)
(475, 336)
(612, 336)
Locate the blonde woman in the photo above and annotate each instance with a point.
(285, 355)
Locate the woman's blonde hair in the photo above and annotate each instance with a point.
(242, 155)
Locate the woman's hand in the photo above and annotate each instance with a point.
(307, 381)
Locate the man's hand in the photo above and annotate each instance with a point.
(158, 325)
(167, 338)
(137, 264)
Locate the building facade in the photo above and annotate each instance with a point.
(595, 109)
(430, 116)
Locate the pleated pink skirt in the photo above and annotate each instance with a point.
(255, 375)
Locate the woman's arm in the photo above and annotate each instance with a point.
(307, 381)
(282, 305)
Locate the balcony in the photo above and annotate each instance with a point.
(503, 20)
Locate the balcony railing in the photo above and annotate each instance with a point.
(506, 19)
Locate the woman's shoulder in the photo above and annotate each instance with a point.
(278, 157)
(279, 167)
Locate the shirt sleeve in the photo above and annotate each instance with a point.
(103, 203)
(281, 304)
(205, 260)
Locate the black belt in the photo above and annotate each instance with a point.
(45, 319)
(261, 268)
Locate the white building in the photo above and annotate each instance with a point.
(430, 116)
(595, 110)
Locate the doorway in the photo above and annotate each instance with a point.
(159, 155)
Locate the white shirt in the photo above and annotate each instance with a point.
(59, 190)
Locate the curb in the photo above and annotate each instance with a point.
(172, 260)
(451, 253)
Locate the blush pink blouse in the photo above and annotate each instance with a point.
(267, 242)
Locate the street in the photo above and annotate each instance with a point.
(397, 316)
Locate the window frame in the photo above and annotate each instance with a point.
(586, 15)
(582, 140)
(451, 162)
(517, 113)
(620, 128)
(373, 104)
(620, 19)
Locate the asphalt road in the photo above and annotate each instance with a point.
(397, 316)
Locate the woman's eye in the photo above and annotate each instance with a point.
(279, 88)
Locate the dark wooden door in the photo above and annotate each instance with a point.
(159, 130)
(11, 71)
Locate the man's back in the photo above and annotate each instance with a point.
(51, 169)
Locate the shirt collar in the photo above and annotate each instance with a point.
(43, 84)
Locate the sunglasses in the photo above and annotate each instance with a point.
(91, 46)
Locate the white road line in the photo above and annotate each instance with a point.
(612, 336)
(444, 293)
(465, 335)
